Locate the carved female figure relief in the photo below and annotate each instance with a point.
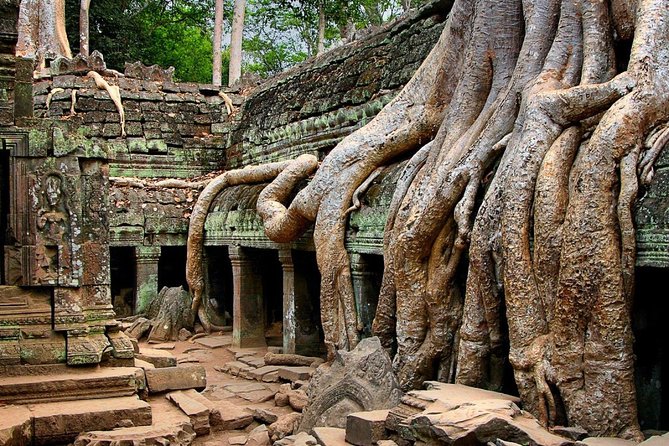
(53, 224)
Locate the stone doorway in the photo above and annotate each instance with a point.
(123, 273)
(172, 267)
(649, 314)
(219, 284)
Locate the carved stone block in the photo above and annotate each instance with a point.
(359, 380)
(85, 348)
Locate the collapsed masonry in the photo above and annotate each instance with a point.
(75, 190)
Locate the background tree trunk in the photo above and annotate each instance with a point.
(84, 27)
(218, 35)
(235, 70)
(320, 43)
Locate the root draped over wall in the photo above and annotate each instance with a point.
(527, 143)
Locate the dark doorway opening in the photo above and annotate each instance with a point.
(219, 284)
(269, 269)
(123, 272)
(651, 348)
(172, 267)
(309, 331)
(4, 209)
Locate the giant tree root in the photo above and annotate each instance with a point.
(533, 135)
(298, 169)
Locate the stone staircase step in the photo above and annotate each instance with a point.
(63, 421)
(70, 384)
(197, 412)
(15, 426)
(295, 373)
(173, 434)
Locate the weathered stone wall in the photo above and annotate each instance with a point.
(652, 218)
(8, 36)
(174, 130)
(311, 107)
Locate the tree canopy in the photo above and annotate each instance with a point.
(178, 33)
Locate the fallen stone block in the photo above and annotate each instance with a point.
(173, 434)
(284, 426)
(16, 427)
(292, 360)
(197, 412)
(233, 417)
(259, 437)
(290, 373)
(214, 413)
(176, 378)
(61, 422)
(480, 421)
(366, 428)
(159, 358)
(330, 436)
(265, 416)
(298, 400)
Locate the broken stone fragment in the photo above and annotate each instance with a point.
(259, 437)
(265, 416)
(284, 426)
(366, 428)
(159, 358)
(359, 380)
(197, 412)
(330, 436)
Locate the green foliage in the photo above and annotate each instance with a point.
(174, 33)
(178, 33)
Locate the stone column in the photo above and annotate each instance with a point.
(248, 316)
(289, 315)
(146, 288)
(366, 296)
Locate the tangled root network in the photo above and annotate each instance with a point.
(527, 131)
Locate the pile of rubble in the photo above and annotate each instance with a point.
(205, 392)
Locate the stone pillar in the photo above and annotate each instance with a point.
(248, 316)
(146, 285)
(289, 314)
(366, 294)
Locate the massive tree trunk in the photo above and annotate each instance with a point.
(218, 35)
(41, 30)
(235, 70)
(536, 137)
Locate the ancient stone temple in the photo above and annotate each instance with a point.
(96, 204)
